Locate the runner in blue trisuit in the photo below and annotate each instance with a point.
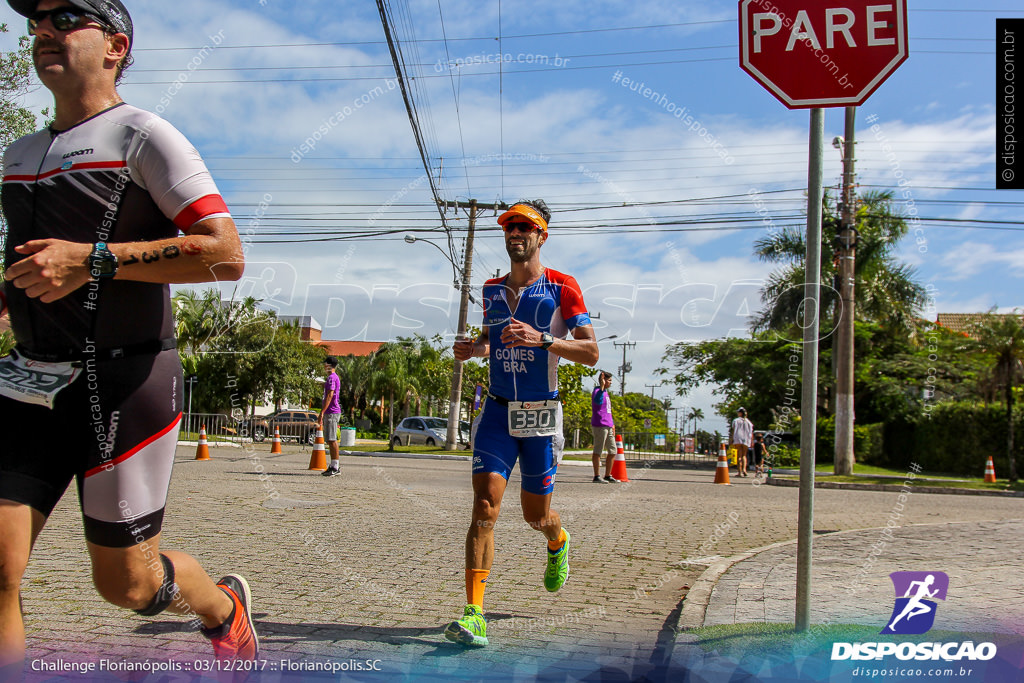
(527, 317)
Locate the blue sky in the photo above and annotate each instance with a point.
(562, 129)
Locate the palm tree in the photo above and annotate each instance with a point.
(886, 291)
(1002, 336)
(695, 414)
(354, 373)
(392, 377)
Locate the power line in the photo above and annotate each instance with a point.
(501, 105)
(439, 40)
(455, 95)
(410, 110)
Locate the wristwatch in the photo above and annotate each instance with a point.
(102, 262)
(546, 340)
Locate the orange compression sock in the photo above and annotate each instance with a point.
(476, 582)
(556, 545)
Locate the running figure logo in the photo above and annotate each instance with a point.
(914, 613)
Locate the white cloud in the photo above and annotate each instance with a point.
(975, 257)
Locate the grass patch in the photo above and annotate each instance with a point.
(760, 639)
(827, 468)
(975, 484)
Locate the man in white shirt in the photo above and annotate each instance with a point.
(742, 439)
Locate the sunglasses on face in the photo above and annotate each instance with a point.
(63, 19)
(519, 227)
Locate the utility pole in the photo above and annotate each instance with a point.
(844, 455)
(625, 367)
(454, 398)
(652, 387)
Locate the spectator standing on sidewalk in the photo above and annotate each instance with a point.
(603, 426)
(330, 414)
(742, 439)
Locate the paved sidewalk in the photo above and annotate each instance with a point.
(979, 557)
(850, 585)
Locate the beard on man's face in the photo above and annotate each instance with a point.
(521, 248)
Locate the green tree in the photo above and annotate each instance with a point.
(391, 377)
(575, 396)
(1001, 339)
(243, 356)
(633, 409)
(886, 291)
(755, 373)
(354, 374)
(898, 375)
(695, 414)
(15, 122)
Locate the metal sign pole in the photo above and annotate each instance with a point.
(809, 393)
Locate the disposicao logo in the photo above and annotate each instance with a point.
(914, 614)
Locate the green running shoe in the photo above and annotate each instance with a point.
(470, 630)
(558, 566)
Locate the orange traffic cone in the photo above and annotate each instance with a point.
(722, 469)
(318, 460)
(203, 449)
(990, 471)
(619, 464)
(275, 445)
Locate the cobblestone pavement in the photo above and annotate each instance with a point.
(975, 555)
(369, 565)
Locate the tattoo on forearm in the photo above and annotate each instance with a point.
(169, 252)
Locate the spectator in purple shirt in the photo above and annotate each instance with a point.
(603, 427)
(330, 414)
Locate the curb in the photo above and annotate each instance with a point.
(435, 456)
(695, 604)
(890, 487)
(212, 444)
(413, 456)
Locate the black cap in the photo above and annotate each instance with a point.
(111, 12)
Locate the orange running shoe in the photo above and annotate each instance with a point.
(236, 637)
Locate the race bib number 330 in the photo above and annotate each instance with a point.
(532, 418)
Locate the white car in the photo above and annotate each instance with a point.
(424, 430)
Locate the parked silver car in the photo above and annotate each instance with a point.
(426, 431)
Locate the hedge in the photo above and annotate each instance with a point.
(868, 442)
(957, 438)
(951, 438)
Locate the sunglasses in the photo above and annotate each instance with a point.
(520, 227)
(63, 19)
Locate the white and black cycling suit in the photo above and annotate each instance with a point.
(124, 175)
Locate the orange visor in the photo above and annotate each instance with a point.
(528, 212)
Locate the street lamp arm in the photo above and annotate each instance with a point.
(412, 239)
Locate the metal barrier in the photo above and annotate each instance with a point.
(220, 428)
(642, 446)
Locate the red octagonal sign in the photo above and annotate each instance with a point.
(822, 53)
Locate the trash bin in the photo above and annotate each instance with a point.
(348, 437)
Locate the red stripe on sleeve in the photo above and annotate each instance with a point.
(200, 209)
(572, 298)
